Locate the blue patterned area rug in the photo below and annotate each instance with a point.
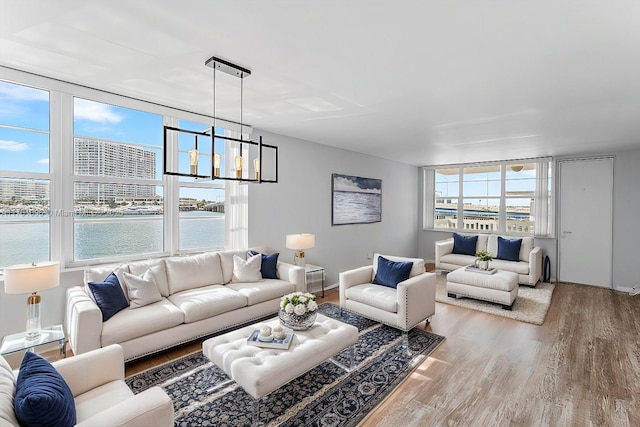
(324, 396)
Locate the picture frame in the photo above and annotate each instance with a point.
(355, 200)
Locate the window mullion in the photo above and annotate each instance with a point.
(66, 178)
(171, 192)
(460, 198)
(502, 209)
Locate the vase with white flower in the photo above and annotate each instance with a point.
(298, 310)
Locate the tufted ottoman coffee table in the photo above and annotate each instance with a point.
(500, 287)
(259, 371)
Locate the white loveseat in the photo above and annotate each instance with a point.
(101, 397)
(528, 267)
(198, 299)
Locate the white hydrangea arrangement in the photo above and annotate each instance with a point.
(298, 303)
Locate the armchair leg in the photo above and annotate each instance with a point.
(405, 343)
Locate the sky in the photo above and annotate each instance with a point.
(28, 150)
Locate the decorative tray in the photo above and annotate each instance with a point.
(274, 343)
(479, 270)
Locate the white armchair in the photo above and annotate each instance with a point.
(102, 398)
(413, 301)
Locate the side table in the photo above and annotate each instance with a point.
(312, 272)
(18, 342)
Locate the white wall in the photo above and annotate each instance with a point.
(626, 227)
(301, 203)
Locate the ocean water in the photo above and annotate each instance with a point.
(108, 236)
(353, 207)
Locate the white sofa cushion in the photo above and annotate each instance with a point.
(458, 259)
(247, 270)
(382, 297)
(7, 393)
(418, 263)
(265, 290)
(101, 398)
(158, 269)
(193, 271)
(207, 301)
(226, 262)
(142, 290)
(129, 324)
(519, 267)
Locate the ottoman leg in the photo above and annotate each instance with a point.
(508, 307)
(451, 295)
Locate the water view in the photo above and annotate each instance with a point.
(106, 236)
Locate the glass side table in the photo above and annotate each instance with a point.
(314, 274)
(18, 342)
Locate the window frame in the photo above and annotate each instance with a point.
(429, 197)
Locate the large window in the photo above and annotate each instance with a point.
(118, 203)
(81, 178)
(503, 197)
(24, 175)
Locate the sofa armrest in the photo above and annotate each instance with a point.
(83, 321)
(443, 247)
(87, 371)
(152, 407)
(416, 299)
(294, 274)
(535, 265)
(354, 277)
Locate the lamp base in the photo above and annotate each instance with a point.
(33, 317)
(298, 259)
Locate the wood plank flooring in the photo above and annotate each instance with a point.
(580, 368)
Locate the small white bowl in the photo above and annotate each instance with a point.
(265, 339)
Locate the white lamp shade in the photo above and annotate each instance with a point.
(29, 278)
(301, 241)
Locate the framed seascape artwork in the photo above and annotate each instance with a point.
(355, 200)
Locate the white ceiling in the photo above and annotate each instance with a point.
(419, 82)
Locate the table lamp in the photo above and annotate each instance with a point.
(29, 279)
(299, 242)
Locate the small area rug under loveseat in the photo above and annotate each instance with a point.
(325, 396)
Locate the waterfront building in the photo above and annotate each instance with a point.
(23, 191)
(100, 157)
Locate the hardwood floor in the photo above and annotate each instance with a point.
(580, 368)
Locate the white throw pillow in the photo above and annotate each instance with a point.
(142, 290)
(247, 270)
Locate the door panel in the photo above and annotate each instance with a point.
(585, 226)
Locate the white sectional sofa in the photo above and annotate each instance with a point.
(198, 298)
(528, 267)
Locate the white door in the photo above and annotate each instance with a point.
(586, 221)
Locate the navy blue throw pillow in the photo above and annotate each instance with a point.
(269, 266)
(42, 397)
(509, 249)
(391, 273)
(464, 245)
(109, 296)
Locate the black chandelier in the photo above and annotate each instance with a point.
(236, 170)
